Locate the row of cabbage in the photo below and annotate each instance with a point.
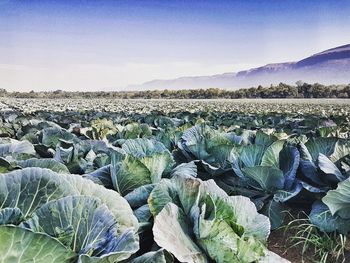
(163, 193)
(229, 119)
(325, 107)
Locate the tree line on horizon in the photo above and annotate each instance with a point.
(282, 90)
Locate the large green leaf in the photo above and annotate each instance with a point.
(322, 217)
(129, 174)
(192, 191)
(222, 244)
(171, 231)
(159, 256)
(116, 204)
(185, 169)
(114, 252)
(230, 229)
(139, 196)
(10, 215)
(272, 153)
(17, 149)
(183, 190)
(338, 200)
(22, 245)
(275, 211)
(44, 163)
(285, 194)
(101, 176)
(30, 188)
(341, 149)
(264, 139)
(220, 146)
(330, 169)
(289, 159)
(251, 155)
(143, 214)
(53, 136)
(163, 193)
(244, 214)
(321, 145)
(194, 141)
(77, 221)
(269, 178)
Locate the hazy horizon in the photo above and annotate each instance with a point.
(105, 45)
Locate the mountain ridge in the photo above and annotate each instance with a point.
(331, 66)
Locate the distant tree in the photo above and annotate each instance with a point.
(343, 95)
(299, 83)
(3, 92)
(282, 90)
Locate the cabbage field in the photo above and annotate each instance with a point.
(199, 181)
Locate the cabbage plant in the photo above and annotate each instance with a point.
(324, 163)
(197, 221)
(325, 168)
(332, 213)
(210, 147)
(265, 172)
(45, 211)
(139, 162)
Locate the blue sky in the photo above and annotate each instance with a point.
(105, 45)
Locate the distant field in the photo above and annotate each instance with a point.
(263, 106)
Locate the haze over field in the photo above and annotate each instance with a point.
(111, 45)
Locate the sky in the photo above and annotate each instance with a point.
(92, 45)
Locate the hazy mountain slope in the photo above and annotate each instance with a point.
(331, 66)
(338, 53)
